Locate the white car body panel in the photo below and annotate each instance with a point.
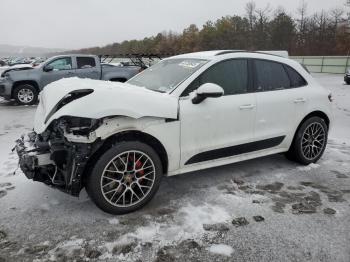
(108, 99)
(214, 123)
(168, 133)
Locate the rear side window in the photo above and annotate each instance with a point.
(231, 75)
(296, 80)
(85, 62)
(270, 76)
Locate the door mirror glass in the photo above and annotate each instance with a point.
(207, 90)
(48, 68)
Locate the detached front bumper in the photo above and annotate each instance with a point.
(33, 157)
(55, 161)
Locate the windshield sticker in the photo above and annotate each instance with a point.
(189, 64)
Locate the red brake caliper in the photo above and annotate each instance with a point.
(138, 165)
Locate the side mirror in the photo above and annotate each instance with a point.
(207, 90)
(48, 68)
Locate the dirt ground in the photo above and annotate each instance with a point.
(267, 209)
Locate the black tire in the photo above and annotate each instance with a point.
(95, 180)
(347, 82)
(30, 90)
(296, 152)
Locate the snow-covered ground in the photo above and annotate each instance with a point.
(267, 209)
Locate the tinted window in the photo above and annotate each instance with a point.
(167, 74)
(296, 80)
(64, 63)
(85, 62)
(231, 75)
(270, 76)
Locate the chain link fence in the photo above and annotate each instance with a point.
(324, 64)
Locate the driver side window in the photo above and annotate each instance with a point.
(64, 63)
(231, 75)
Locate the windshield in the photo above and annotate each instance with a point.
(167, 74)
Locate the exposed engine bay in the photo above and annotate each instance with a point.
(52, 159)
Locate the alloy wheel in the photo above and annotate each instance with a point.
(313, 141)
(128, 178)
(25, 95)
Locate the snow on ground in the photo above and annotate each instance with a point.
(221, 249)
(267, 209)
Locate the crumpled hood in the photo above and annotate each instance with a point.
(102, 99)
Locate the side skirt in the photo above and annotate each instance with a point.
(235, 150)
(226, 161)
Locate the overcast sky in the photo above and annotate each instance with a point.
(86, 23)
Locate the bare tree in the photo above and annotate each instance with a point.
(261, 31)
(302, 12)
(250, 13)
(337, 16)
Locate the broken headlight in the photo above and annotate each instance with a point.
(78, 125)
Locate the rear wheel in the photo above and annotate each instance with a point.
(347, 82)
(310, 141)
(25, 94)
(125, 177)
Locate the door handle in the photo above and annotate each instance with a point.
(300, 100)
(249, 106)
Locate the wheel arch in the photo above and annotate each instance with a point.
(30, 82)
(312, 114)
(318, 113)
(130, 135)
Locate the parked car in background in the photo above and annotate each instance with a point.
(185, 113)
(24, 83)
(37, 61)
(18, 61)
(347, 77)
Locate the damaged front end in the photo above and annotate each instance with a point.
(53, 159)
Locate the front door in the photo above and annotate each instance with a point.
(62, 68)
(218, 127)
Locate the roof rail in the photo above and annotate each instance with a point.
(281, 53)
(229, 52)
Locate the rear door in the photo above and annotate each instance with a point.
(276, 106)
(87, 67)
(62, 68)
(218, 127)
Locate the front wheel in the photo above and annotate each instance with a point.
(125, 177)
(310, 141)
(25, 94)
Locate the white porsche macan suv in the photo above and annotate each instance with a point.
(186, 113)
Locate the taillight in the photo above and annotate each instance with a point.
(330, 97)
